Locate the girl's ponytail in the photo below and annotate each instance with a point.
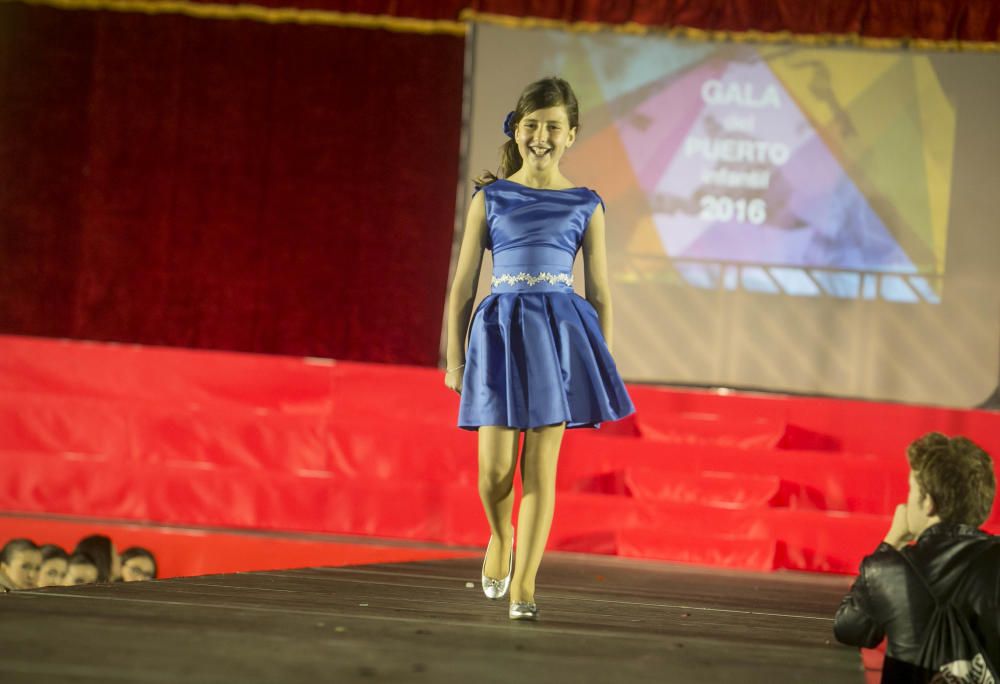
(510, 161)
(510, 158)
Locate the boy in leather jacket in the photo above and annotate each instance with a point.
(952, 486)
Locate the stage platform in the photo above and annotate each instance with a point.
(603, 619)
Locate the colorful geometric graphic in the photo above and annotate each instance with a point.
(772, 169)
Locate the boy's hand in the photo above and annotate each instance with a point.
(899, 534)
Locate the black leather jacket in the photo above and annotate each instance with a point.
(958, 561)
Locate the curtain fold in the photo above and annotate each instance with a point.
(227, 185)
(939, 20)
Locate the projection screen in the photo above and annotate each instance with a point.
(780, 217)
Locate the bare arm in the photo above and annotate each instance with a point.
(595, 269)
(463, 288)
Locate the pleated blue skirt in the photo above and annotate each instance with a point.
(537, 359)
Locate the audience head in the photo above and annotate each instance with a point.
(55, 563)
(81, 569)
(138, 564)
(20, 560)
(102, 552)
(24, 565)
(951, 480)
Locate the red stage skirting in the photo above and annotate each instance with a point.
(184, 552)
(277, 443)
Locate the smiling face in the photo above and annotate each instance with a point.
(542, 137)
(22, 569)
(52, 573)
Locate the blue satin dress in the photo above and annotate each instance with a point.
(536, 353)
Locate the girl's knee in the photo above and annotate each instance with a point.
(494, 481)
(537, 482)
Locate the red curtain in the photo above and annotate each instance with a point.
(975, 20)
(227, 184)
(970, 20)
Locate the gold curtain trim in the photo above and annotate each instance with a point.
(293, 15)
(813, 39)
(267, 15)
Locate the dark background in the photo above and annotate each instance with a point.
(278, 187)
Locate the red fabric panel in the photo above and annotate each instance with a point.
(845, 425)
(235, 440)
(808, 480)
(923, 19)
(185, 552)
(448, 10)
(801, 540)
(727, 490)
(439, 9)
(744, 432)
(657, 544)
(683, 486)
(227, 184)
(975, 20)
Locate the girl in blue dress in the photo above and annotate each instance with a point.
(538, 358)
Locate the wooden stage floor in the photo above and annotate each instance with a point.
(602, 620)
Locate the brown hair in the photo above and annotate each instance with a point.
(139, 552)
(548, 92)
(957, 474)
(15, 545)
(98, 548)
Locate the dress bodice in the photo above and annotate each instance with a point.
(535, 231)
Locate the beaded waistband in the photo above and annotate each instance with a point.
(533, 279)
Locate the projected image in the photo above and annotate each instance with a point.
(771, 169)
(780, 216)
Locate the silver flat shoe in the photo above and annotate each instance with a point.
(522, 610)
(496, 589)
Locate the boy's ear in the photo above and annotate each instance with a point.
(928, 505)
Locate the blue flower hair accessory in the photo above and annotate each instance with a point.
(508, 129)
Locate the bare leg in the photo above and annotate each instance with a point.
(497, 463)
(538, 502)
